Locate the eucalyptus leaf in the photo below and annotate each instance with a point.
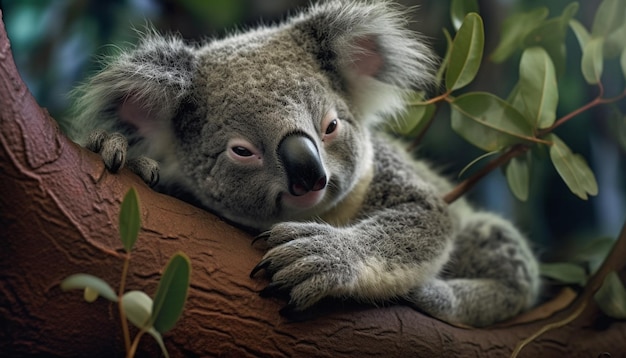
(466, 54)
(538, 87)
(582, 35)
(517, 173)
(611, 297)
(90, 295)
(446, 58)
(415, 119)
(157, 337)
(172, 293)
(572, 168)
(551, 36)
(617, 127)
(460, 8)
(488, 122)
(137, 306)
(466, 168)
(594, 253)
(592, 62)
(514, 31)
(130, 220)
(615, 42)
(82, 281)
(609, 18)
(515, 99)
(563, 272)
(622, 62)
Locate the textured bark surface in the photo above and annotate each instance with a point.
(59, 209)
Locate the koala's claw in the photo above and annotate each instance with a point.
(262, 236)
(263, 265)
(274, 290)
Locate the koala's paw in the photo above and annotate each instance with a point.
(146, 168)
(308, 263)
(111, 147)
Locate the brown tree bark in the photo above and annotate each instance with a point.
(59, 209)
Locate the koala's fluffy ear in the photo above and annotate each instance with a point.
(142, 87)
(367, 44)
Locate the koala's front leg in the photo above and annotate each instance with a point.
(113, 149)
(379, 258)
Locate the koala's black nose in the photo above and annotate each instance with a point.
(302, 163)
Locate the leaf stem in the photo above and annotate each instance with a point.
(581, 307)
(595, 102)
(120, 294)
(469, 183)
(133, 349)
(442, 97)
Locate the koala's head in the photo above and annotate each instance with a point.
(268, 125)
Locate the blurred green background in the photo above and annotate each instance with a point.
(57, 44)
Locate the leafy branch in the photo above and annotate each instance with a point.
(154, 317)
(527, 118)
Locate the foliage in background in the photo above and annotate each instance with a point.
(519, 130)
(154, 317)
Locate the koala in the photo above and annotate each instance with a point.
(278, 130)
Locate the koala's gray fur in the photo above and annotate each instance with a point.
(274, 129)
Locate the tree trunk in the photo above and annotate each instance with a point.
(59, 210)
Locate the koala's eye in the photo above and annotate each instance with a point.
(241, 151)
(332, 126)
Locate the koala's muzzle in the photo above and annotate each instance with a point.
(302, 163)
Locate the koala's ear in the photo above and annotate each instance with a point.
(367, 44)
(142, 87)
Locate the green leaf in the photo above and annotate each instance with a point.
(580, 31)
(564, 272)
(615, 42)
(90, 295)
(130, 220)
(137, 306)
(538, 87)
(551, 36)
(157, 337)
(515, 99)
(517, 173)
(488, 122)
(460, 8)
(572, 168)
(415, 119)
(617, 127)
(594, 253)
(609, 17)
(514, 30)
(622, 62)
(467, 53)
(611, 297)
(593, 61)
(446, 58)
(171, 293)
(82, 281)
(466, 168)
